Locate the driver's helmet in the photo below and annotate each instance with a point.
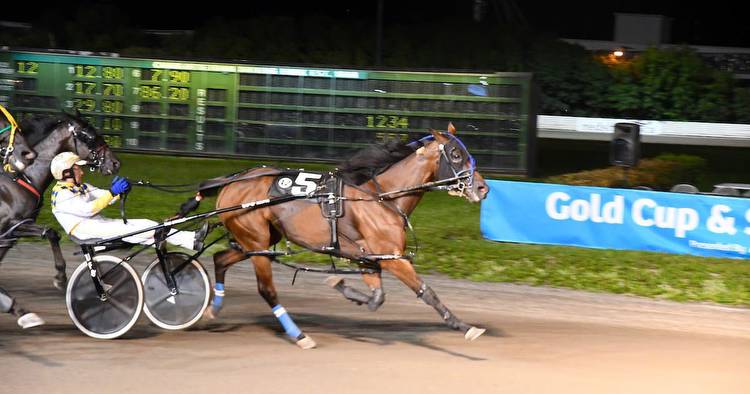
(64, 161)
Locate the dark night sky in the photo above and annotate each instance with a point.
(720, 23)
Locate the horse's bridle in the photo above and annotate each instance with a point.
(6, 151)
(450, 167)
(450, 175)
(95, 145)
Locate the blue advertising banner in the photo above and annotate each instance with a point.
(606, 218)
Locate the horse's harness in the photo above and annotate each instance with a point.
(7, 150)
(451, 177)
(329, 194)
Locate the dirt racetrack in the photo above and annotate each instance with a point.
(539, 340)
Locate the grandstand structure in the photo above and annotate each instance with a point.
(634, 33)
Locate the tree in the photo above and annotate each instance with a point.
(671, 84)
(572, 82)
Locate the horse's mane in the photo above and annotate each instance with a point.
(37, 127)
(373, 160)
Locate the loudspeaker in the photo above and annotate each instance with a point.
(625, 149)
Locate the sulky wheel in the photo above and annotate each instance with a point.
(183, 307)
(113, 315)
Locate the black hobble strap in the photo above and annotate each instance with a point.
(426, 294)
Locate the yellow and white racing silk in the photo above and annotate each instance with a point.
(77, 209)
(72, 203)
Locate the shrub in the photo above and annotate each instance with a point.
(659, 173)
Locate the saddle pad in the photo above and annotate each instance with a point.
(296, 183)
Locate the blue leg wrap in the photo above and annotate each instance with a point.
(218, 296)
(291, 329)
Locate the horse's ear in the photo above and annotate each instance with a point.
(451, 128)
(436, 134)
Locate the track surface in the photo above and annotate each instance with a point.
(539, 340)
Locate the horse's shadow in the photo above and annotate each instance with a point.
(377, 332)
(8, 346)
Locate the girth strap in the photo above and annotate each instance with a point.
(332, 206)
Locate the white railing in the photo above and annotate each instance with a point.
(720, 134)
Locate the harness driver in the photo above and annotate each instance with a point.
(77, 205)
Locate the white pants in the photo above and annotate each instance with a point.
(107, 228)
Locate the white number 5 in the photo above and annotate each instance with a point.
(306, 185)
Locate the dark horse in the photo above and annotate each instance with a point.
(16, 155)
(382, 186)
(22, 200)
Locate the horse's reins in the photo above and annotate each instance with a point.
(457, 178)
(5, 237)
(434, 185)
(175, 188)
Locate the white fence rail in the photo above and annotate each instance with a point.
(652, 131)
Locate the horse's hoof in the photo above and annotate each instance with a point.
(474, 333)
(30, 320)
(61, 285)
(306, 343)
(210, 314)
(333, 281)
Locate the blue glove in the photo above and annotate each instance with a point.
(119, 185)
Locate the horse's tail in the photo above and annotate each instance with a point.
(209, 191)
(211, 187)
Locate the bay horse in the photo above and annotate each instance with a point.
(381, 186)
(22, 197)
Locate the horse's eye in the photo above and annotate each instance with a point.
(455, 155)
